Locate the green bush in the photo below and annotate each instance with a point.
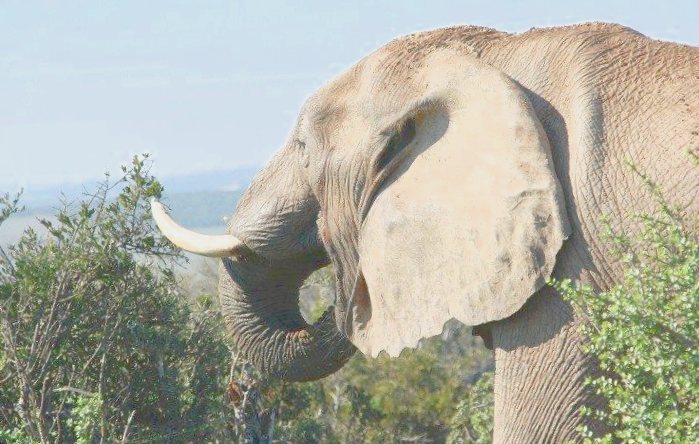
(97, 342)
(644, 332)
(473, 420)
(412, 398)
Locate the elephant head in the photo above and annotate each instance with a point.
(425, 177)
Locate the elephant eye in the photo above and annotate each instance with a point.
(303, 152)
(400, 139)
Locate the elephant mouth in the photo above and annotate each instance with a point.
(260, 300)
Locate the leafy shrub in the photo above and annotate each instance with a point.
(644, 332)
(97, 341)
(412, 398)
(473, 420)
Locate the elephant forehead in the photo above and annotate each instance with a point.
(387, 78)
(378, 85)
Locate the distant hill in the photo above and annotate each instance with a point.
(42, 199)
(202, 209)
(222, 180)
(198, 201)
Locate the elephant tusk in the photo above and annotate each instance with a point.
(223, 245)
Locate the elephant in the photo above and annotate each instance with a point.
(446, 176)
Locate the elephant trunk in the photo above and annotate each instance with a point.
(260, 306)
(272, 247)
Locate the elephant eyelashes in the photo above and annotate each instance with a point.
(401, 139)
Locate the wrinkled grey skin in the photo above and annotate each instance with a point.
(260, 291)
(602, 93)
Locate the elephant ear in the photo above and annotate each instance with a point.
(469, 222)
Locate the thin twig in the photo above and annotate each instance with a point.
(125, 435)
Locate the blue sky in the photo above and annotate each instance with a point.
(211, 85)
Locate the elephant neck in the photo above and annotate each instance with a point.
(540, 373)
